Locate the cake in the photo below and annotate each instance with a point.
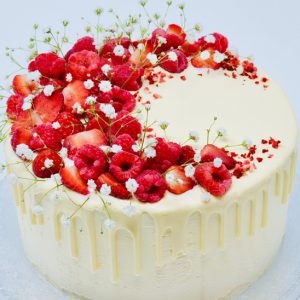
(149, 167)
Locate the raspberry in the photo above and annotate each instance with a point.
(220, 44)
(49, 65)
(84, 64)
(91, 161)
(100, 121)
(125, 141)
(216, 181)
(187, 155)
(125, 165)
(177, 66)
(69, 124)
(85, 43)
(46, 136)
(14, 106)
(39, 167)
(121, 100)
(152, 186)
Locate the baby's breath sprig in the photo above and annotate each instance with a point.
(182, 14)
(208, 130)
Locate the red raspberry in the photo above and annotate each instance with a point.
(91, 161)
(187, 155)
(125, 165)
(69, 124)
(216, 181)
(49, 65)
(177, 66)
(126, 76)
(14, 106)
(84, 64)
(121, 100)
(125, 141)
(85, 43)
(46, 136)
(100, 121)
(38, 164)
(152, 186)
(220, 44)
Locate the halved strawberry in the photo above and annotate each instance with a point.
(175, 35)
(20, 136)
(69, 124)
(210, 152)
(92, 137)
(14, 106)
(175, 66)
(216, 181)
(139, 57)
(74, 92)
(23, 86)
(200, 62)
(190, 49)
(26, 119)
(70, 177)
(176, 180)
(48, 108)
(117, 189)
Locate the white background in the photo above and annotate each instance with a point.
(268, 30)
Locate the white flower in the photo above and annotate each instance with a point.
(210, 39)
(63, 152)
(78, 108)
(89, 84)
(150, 152)
(247, 143)
(105, 69)
(205, 55)
(37, 209)
(197, 156)
(218, 162)
(147, 106)
(161, 40)
(119, 50)
(26, 105)
(205, 197)
(189, 170)
(24, 151)
(108, 110)
(129, 210)
(115, 148)
(35, 75)
(56, 125)
(105, 86)
(105, 190)
(172, 56)
(90, 100)
(170, 177)
(240, 70)
(48, 163)
(194, 135)
(68, 162)
(218, 57)
(164, 125)
(221, 131)
(152, 58)
(141, 46)
(91, 186)
(105, 149)
(64, 220)
(131, 185)
(69, 77)
(135, 148)
(13, 178)
(48, 90)
(109, 224)
(151, 142)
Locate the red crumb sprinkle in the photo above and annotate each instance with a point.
(171, 76)
(157, 96)
(183, 78)
(274, 143)
(200, 74)
(265, 86)
(263, 141)
(265, 150)
(256, 82)
(270, 156)
(259, 159)
(234, 76)
(264, 79)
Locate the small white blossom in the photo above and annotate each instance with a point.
(89, 84)
(135, 148)
(148, 106)
(240, 70)
(63, 152)
(205, 197)
(221, 131)
(105, 148)
(172, 56)
(56, 125)
(64, 220)
(48, 163)
(105, 69)
(164, 125)
(69, 77)
(218, 162)
(129, 210)
(109, 224)
(152, 58)
(189, 170)
(13, 178)
(115, 148)
(197, 156)
(68, 162)
(24, 151)
(210, 39)
(194, 135)
(108, 110)
(48, 90)
(78, 108)
(131, 185)
(141, 46)
(119, 50)
(218, 57)
(105, 190)
(150, 152)
(90, 100)
(161, 40)
(105, 86)
(35, 75)
(26, 105)
(205, 55)
(170, 177)
(37, 209)
(151, 142)
(91, 186)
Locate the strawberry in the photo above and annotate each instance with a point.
(176, 180)
(210, 152)
(69, 124)
(216, 181)
(139, 57)
(199, 62)
(20, 136)
(48, 108)
(39, 164)
(190, 49)
(175, 35)
(26, 119)
(117, 189)
(85, 43)
(14, 106)
(23, 86)
(220, 42)
(92, 137)
(175, 66)
(74, 92)
(71, 178)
